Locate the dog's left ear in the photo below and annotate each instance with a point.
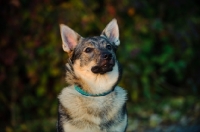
(111, 32)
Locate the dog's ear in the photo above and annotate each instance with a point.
(69, 38)
(111, 32)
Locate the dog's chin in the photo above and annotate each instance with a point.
(103, 68)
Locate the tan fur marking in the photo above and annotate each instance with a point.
(95, 83)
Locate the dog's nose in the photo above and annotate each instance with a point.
(107, 56)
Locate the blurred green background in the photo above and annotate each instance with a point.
(159, 52)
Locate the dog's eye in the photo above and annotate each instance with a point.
(108, 47)
(88, 50)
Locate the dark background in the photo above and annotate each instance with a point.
(159, 52)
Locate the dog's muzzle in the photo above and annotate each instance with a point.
(105, 65)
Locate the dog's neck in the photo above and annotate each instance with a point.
(96, 83)
(81, 91)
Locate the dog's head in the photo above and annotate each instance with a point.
(92, 60)
(100, 50)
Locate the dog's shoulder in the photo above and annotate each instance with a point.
(68, 96)
(121, 94)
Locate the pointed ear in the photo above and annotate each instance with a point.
(69, 38)
(112, 32)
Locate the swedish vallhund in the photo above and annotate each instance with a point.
(92, 102)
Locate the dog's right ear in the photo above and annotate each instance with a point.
(69, 38)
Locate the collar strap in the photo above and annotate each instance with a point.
(81, 91)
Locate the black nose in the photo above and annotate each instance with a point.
(107, 56)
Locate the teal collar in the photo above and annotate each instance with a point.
(81, 91)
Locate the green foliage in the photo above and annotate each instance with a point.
(159, 52)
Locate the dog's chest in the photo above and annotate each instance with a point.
(91, 112)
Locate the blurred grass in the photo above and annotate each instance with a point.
(181, 112)
(159, 53)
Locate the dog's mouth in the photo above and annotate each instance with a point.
(103, 67)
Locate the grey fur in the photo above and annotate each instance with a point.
(93, 66)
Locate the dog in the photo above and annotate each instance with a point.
(92, 102)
